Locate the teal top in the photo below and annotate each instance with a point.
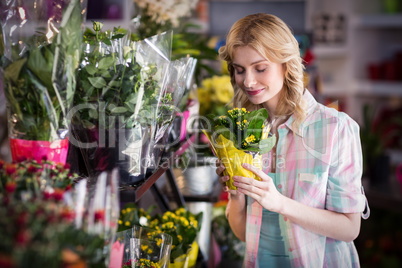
(271, 249)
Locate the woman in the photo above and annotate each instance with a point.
(305, 211)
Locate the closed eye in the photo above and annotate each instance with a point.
(261, 71)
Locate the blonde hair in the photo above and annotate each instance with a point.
(273, 39)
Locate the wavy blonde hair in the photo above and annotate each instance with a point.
(273, 39)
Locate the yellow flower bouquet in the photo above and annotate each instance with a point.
(240, 137)
(182, 225)
(214, 94)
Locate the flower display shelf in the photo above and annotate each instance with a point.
(133, 193)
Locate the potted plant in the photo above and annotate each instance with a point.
(238, 137)
(379, 131)
(119, 91)
(38, 75)
(39, 228)
(182, 225)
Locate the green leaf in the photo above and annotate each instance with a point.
(91, 69)
(118, 110)
(93, 113)
(97, 82)
(106, 63)
(256, 119)
(267, 144)
(114, 83)
(13, 70)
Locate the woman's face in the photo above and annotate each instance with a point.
(260, 79)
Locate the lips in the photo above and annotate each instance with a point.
(254, 92)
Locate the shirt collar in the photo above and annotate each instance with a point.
(311, 105)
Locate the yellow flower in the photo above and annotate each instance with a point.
(144, 247)
(224, 67)
(250, 138)
(127, 223)
(120, 222)
(180, 238)
(184, 221)
(180, 211)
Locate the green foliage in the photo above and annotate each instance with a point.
(195, 45)
(39, 80)
(182, 225)
(245, 129)
(37, 226)
(109, 79)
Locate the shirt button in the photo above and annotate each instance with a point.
(290, 249)
(285, 218)
(279, 186)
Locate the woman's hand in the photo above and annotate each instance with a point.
(220, 168)
(264, 191)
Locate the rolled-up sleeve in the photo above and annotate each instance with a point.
(344, 191)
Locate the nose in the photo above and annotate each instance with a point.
(249, 79)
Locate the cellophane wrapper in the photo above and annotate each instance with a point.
(40, 51)
(116, 108)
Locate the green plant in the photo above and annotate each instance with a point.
(28, 178)
(38, 233)
(182, 225)
(372, 143)
(38, 228)
(39, 80)
(232, 248)
(110, 79)
(247, 130)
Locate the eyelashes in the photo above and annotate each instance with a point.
(242, 71)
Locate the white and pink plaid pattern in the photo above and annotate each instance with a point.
(320, 165)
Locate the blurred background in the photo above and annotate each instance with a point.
(353, 56)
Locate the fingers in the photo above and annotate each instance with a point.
(222, 180)
(219, 168)
(256, 171)
(250, 187)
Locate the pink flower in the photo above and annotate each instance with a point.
(47, 195)
(58, 194)
(11, 169)
(10, 187)
(67, 215)
(99, 215)
(23, 237)
(21, 158)
(32, 169)
(22, 219)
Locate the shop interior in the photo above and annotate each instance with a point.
(352, 50)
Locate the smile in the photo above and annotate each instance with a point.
(254, 92)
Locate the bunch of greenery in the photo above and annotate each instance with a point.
(182, 225)
(247, 130)
(232, 248)
(38, 228)
(109, 79)
(41, 233)
(39, 80)
(30, 178)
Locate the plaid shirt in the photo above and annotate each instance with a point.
(320, 165)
